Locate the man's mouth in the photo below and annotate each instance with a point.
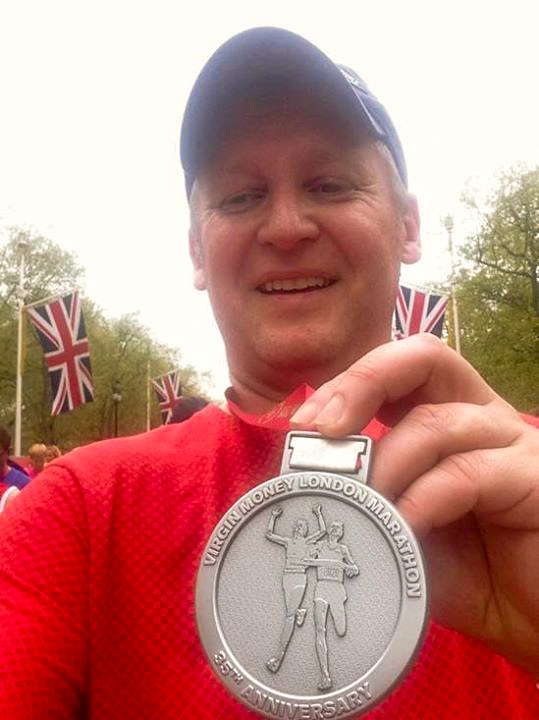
(294, 285)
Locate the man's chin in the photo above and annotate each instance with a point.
(282, 359)
(294, 360)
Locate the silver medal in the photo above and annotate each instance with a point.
(311, 596)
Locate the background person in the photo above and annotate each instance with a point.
(36, 453)
(9, 474)
(51, 453)
(186, 406)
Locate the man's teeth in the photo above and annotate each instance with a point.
(295, 284)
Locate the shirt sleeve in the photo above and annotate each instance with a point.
(17, 478)
(44, 572)
(7, 495)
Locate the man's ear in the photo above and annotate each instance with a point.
(411, 241)
(195, 250)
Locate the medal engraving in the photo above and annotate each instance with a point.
(311, 597)
(333, 561)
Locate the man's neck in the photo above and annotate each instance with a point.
(259, 385)
(254, 399)
(259, 393)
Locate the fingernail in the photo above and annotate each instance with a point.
(331, 412)
(305, 413)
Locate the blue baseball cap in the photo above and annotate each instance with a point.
(259, 55)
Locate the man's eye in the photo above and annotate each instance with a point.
(240, 200)
(329, 187)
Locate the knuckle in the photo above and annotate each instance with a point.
(431, 418)
(433, 342)
(454, 420)
(410, 506)
(467, 467)
(366, 371)
(428, 341)
(430, 346)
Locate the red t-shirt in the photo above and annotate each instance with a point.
(98, 560)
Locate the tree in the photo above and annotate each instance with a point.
(498, 287)
(121, 350)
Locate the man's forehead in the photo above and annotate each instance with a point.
(282, 106)
(251, 122)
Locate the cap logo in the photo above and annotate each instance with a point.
(352, 79)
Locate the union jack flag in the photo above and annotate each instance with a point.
(60, 327)
(168, 389)
(419, 310)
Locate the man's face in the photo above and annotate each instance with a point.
(298, 238)
(301, 528)
(336, 530)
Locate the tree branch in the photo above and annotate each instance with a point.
(519, 273)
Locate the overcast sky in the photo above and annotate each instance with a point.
(92, 96)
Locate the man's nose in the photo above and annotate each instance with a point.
(287, 221)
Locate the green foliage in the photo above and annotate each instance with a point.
(121, 351)
(498, 288)
(49, 270)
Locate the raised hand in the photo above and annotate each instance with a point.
(461, 465)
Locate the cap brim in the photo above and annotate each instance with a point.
(246, 60)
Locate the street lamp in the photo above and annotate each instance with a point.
(116, 399)
(448, 223)
(22, 247)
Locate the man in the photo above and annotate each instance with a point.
(300, 221)
(297, 549)
(333, 561)
(10, 475)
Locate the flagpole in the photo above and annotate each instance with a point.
(448, 222)
(148, 397)
(44, 301)
(21, 245)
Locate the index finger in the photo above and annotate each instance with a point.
(395, 376)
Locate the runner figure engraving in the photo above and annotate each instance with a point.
(298, 548)
(332, 560)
